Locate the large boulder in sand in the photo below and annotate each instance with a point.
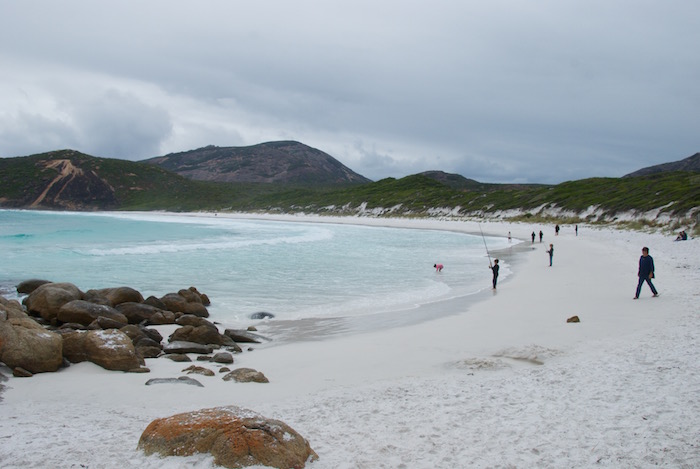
(177, 303)
(28, 286)
(117, 295)
(235, 437)
(83, 312)
(11, 309)
(26, 344)
(204, 334)
(48, 298)
(74, 346)
(112, 350)
(192, 320)
(137, 313)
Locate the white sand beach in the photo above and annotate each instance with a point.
(504, 382)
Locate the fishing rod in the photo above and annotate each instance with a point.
(487, 248)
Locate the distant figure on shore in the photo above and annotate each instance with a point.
(438, 267)
(645, 272)
(556, 230)
(550, 251)
(682, 236)
(541, 234)
(494, 268)
(576, 230)
(509, 239)
(533, 237)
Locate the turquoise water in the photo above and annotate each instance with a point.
(293, 270)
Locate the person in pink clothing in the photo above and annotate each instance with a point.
(438, 267)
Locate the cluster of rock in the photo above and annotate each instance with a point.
(58, 324)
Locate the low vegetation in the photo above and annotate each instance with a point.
(140, 186)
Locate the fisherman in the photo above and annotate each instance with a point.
(494, 268)
(550, 251)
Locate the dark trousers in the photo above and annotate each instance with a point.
(641, 282)
(495, 279)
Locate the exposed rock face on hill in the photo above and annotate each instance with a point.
(71, 187)
(281, 162)
(692, 163)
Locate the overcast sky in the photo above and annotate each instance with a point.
(498, 91)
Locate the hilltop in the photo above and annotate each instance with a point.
(692, 163)
(286, 162)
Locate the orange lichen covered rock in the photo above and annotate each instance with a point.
(235, 437)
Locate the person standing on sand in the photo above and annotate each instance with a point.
(556, 230)
(533, 237)
(494, 268)
(551, 254)
(645, 272)
(541, 234)
(438, 267)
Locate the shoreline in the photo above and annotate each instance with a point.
(504, 382)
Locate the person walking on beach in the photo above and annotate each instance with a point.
(550, 251)
(494, 268)
(556, 230)
(645, 272)
(509, 239)
(541, 234)
(533, 237)
(576, 230)
(438, 267)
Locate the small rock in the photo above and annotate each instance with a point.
(262, 315)
(240, 336)
(180, 380)
(20, 372)
(222, 357)
(573, 319)
(178, 357)
(179, 346)
(246, 375)
(200, 370)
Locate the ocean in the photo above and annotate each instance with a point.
(293, 270)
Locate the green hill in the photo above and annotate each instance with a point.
(70, 180)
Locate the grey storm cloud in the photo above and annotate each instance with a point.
(496, 91)
(119, 125)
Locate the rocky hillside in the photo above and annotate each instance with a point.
(279, 162)
(70, 180)
(692, 163)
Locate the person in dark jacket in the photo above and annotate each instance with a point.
(494, 269)
(550, 251)
(645, 272)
